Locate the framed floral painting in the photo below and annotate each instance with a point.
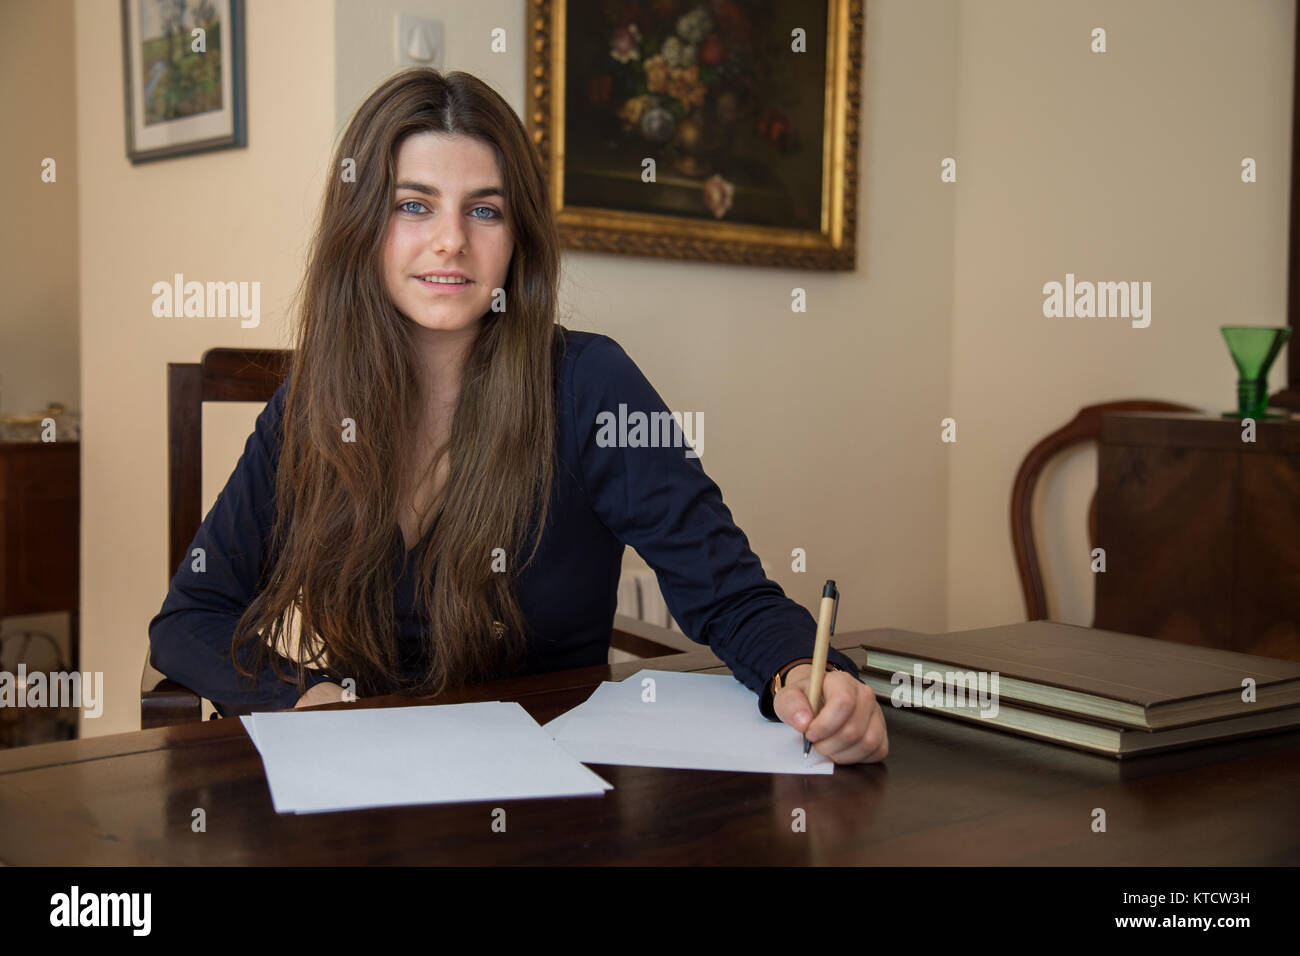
(719, 130)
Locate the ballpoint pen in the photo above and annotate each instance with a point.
(825, 628)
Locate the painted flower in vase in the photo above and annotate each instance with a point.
(677, 54)
(630, 112)
(718, 194)
(599, 89)
(694, 26)
(657, 123)
(692, 91)
(774, 127)
(686, 88)
(625, 44)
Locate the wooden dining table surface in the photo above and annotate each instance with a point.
(949, 792)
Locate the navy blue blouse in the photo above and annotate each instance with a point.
(655, 499)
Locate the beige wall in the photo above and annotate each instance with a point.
(235, 215)
(822, 428)
(39, 333)
(38, 246)
(1117, 166)
(364, 42)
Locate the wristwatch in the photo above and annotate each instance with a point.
(778, 681)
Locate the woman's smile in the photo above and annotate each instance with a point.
(444, 285)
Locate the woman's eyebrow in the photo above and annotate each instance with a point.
(479, 193)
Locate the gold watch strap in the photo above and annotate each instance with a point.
(778, 682)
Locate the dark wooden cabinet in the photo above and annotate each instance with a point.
(1201, 531)
(40, 530)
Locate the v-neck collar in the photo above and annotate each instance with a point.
(420, 544)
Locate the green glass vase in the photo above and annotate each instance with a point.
(1253, 349)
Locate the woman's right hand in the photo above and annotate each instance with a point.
(322, 693)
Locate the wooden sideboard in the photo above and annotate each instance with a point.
(40, 530)
(1201, 531)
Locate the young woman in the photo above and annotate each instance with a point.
(425, 499)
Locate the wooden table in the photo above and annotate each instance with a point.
(949, 793)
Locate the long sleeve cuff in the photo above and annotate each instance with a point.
(765, 702)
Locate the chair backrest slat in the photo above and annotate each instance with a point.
(222, 375)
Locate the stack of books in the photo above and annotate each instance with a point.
(1101, 691)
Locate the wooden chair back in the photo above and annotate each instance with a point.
(221, 375)
(1084, 427)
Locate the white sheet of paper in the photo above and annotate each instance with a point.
(696, 722)
(606, 691)
(395, 756)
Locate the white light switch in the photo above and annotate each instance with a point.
(419, 41)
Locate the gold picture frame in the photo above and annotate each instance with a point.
(828, 243)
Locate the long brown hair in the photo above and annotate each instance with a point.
(337, 501)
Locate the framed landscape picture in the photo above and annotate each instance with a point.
(183, 70)
(720, 130)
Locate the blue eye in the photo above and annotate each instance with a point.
(420, 207)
